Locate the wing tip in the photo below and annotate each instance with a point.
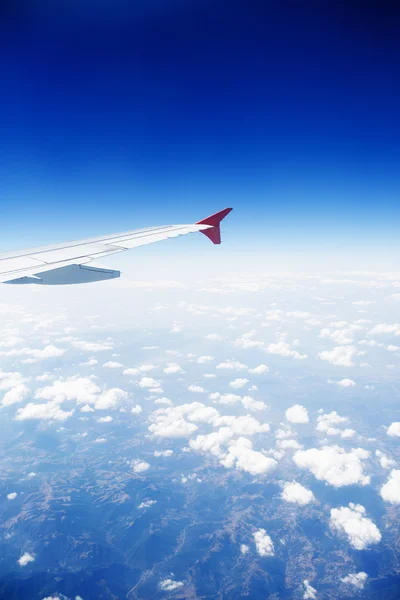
(214, 233)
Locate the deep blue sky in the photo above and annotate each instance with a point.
(124, 114)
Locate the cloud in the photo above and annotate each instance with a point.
(164, 453)
(244, 549)
(147, 504)
(390, 491)
(233, 365)
(25, 559)
(35, 354)
(16, 395)
(169, 585)
(358, 580)
(384, 460)
(173, 368)
(111, 364)
(12, 496)
(283, 349)
(260, 370)
(289, 445)
(170, 422)
(204, 359)
(136, 410)
(107, 419)
(197, 389)
(310, 593)
(264, 544)
(346, 383)
(242, 456)
(385, 328)
(360, 530)
(244, 425)
(49, 411)
(394, 429)
(92, 346)
(139, 466)
(334, 465)
(238, 383)
(225, 398)
(212, 442)
(251, 404)
(148, 382)
(297, 414)
(297, 494)
(340, 355)
(110, 399)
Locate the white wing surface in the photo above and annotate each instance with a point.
(67, 263)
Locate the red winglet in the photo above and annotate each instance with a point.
(214, 234)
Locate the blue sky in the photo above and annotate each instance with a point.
(126, 116)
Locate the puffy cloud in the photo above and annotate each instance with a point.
(260, 370)
(35, 354)
(92, 346)
(394, 429)
(173, 368)
(203, 414)
(213, 336)
(360, 530)
(139, 370)
(289, 445)
(244, 425)
(264, 544)
(242, 456)
(334, 465)
(89, 363)
(49, 411)
(310, 593)
(390, 491)
(326, 421)
(358, 580)
(12, 496)
(287, 432)
(238, 383)
(346, 383)
(107, 419)
(384, 460)
(225, 398)
(251, 404)
(205, 359)
(340, 355)
(296, 493)
(164, 453)
(244, 549)
(25, 559)
(148, 382)
(385, 328)
(170, 422)
(340, 336)
(110, 399)
(169, 585)
(283, 349)
(197, 389)
(139, 466)
(297, 414)
(147, 503)
(136, 410)
(233, 365)
(112, 364)
(15, 395)
(212, 442)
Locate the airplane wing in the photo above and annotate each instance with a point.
(67, 263)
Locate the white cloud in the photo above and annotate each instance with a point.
(297, 414)
(394, 429)
(334, 465)
(346, 383)
(238, 383)
(327, 420)
(384, 460)
(385, 328)
(390, 491)
(310, 593)
(107, 419)
(25, 559)
(49, 411)
(170, 422)
(147, 503)
(244, 549)
(148, 382)
(283, 349)
(112, 364)
(242, 456)
(289, 445)
(136, 410)
(139, 466)
(169, 585)
(251, 404)
(89, 363)
(12, 496)
(173, 368)
(15, 395)
(213, 336)
(244, 425)
(296, 493)
(225, 398)
(360, 530)
(358, 580)
(212, 442)
(110, 399)
(264, 544)
(205, 359)
(340, 355)
(260, 370)
(92, 346)
(164, 453)
(197, 389)
(233, 365)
